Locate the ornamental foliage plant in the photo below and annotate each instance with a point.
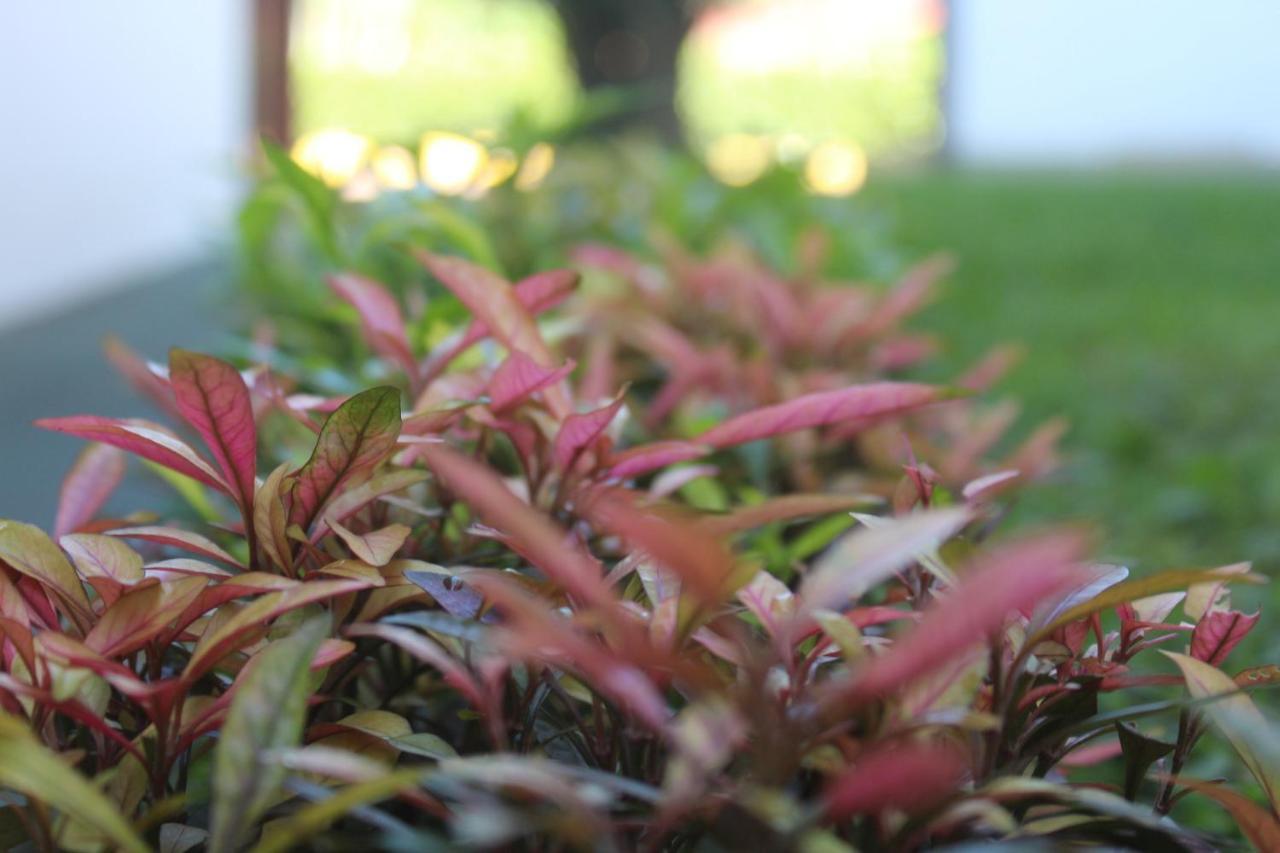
(674, 562)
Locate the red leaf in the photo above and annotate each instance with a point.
(178, 538)
(518, 377)
(537, 293)
(352, 441)
(640, 460)
(141, 614)
(213, 398)
(148, 440)
(911, 777)
(1218, 632)
(139, 373)
(1015, 577)
(380, 318)
(699, 557)
(825, 407)
(492, 301)
(578, 431)
(528, 532)
(96, 473)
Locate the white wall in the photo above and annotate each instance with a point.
(120, 121)
(1090, 81)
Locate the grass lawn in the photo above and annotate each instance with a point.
(1150, 309)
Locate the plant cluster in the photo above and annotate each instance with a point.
(509, 599)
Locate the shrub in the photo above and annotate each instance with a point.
(470, 612)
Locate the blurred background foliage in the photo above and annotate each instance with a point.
(1142, 298)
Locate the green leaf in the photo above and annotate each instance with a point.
(424, 744)
(267, 714)
(353, 440)
(29, 551)
(319, 203)
(31, 769)
(1236, 715)
(316, 817)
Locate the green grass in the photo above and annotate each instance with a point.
(1149, 306)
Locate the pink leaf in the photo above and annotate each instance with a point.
(353, 440)
(213, 398)
(537, 293)
(1218, 632)
(148, 440)
(519, 377)
(492, 301)
(579, 431)
(380, 318)
(640, 460)
(825, 407)
(910, 778)
(698, 556)
(528, 532)
(96, 473)
(177, 538)
(141, 374)
(1011, 579)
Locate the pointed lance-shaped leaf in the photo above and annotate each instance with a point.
(856, 402)
(1218, 632)
(1015, 577)
(908, 778)
(353, 440)
(493, 301)
(375, 547)
(213, 398)
(635, 461)
(696, 555)
(868, 556)
(578, 431)
(37, 772)
(528, 532)
(539, 292)
(1236, 715)
(519, 377)
(97, 473)
(380, 318)
(28, 551)
(1256, 823)
(267, 714)
(106, 563)
(176, 537)
(143, 438)
(141, 615)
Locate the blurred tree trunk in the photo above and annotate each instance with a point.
(632, 44)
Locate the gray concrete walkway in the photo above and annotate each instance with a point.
(55, 367)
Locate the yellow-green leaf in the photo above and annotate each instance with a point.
(37, 772)
(1236, 715)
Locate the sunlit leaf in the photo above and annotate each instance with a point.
(213, 398)
(352, 441)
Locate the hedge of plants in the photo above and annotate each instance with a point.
(660, 551)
